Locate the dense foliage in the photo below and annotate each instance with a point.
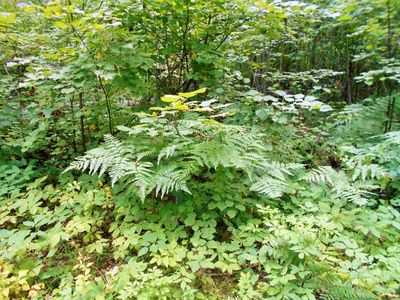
(199, 149)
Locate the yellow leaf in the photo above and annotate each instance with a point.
(171, 98)
(100, 183)
(98, 27)
(29, 9)
(7, 18)
(25, 287)
(38, 286)
(33, 294)
(98, 55)
(5, 292)
(22, 273)
(192, 94)
(179, 106)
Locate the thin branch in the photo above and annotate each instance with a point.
(9, 76)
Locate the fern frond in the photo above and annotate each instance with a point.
(391, 138)
(110, 157)
(321, 174)
(358, 192)
(145, 154)
(274, 188)
(167, 179)
(368, 171)
(142, 182)
(278, 169)
(346, 291)
(214, 154)
(166, 152)
(353, 150)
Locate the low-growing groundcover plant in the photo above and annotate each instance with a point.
(199, 209)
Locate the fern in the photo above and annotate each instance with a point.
(166, 153)
(278, 170)
(391, 138)
(343, 187)
(111, 157)
(167, 179)
(321, 174)
(357, 122)
(142, 180)
(345, 291)
(273, 188)
(365, 172)
(214, 154)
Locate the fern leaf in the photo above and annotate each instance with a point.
(274, 188)
(321, 174)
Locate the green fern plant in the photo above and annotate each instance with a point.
(167, 149)
(345, 291)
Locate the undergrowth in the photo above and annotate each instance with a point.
(187, 207)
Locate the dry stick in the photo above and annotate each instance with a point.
(298, 50)
(391, 115)
(348, 72)
(82, 121)
(72, 111)
(108, 104)
(389, 30)
(390, 108)
(9, 76)
(15, 89)
(283, 48)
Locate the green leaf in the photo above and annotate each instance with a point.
(194, 266)
(262, 113)
(345, 18)
(76, 22)
(191, 219)
(231, 213)
(60, 24)
(143, 251)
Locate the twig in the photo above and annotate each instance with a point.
(9, 76)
